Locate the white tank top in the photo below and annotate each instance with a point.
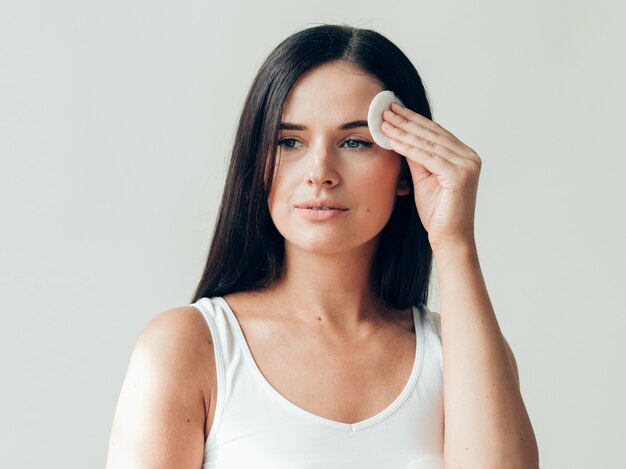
(257, 427)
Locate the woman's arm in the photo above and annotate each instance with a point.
(159, 420)
(486, 423)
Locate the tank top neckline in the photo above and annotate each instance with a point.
(350, 427)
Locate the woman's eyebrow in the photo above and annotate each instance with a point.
(346, 126)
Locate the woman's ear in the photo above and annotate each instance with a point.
(403, 187)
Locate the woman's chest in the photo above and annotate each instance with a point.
(345, 382)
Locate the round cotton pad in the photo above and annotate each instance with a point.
(379, 103)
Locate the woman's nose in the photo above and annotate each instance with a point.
(322, 166)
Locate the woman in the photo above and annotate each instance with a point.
(309, 343)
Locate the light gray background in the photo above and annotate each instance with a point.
(116, 121)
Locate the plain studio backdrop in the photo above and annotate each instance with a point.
(116, 123)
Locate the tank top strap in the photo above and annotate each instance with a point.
(431, 320)
(225, 349)
(431, 323)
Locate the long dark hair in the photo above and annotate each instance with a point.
(247, 250)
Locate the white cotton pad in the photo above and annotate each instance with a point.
(379, 103)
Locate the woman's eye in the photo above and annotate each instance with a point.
(284, 141)
(353, 144)
(363, 144)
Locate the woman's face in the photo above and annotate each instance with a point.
(323, 161)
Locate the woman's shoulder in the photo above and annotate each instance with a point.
(178, 342)
(162, 407)
(178, 328)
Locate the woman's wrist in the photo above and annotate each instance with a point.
(455, 251)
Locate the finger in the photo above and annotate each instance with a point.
(434, 130)
(426, 130)
(429, 160)
(399, 133)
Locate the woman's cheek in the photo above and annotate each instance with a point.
(382, 173)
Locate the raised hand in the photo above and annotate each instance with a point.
(445, 174)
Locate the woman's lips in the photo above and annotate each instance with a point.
(320, 215)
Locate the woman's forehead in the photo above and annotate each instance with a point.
(329, 87)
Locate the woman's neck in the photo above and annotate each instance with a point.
(334, 287)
